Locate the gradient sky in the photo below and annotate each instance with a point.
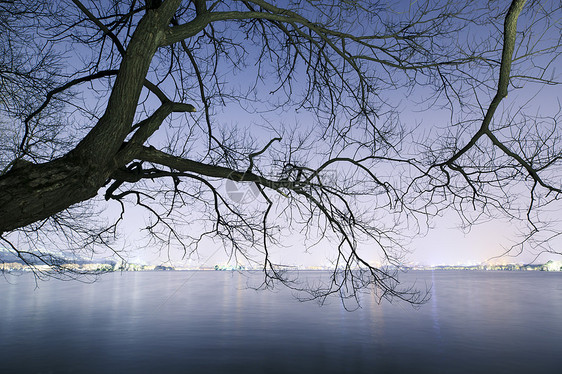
(444, 243)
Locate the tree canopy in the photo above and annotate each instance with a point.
(310, 103)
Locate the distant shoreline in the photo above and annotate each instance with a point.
(98, 268)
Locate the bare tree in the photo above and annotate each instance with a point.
(135, 103)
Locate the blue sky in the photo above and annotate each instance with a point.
(444, 242)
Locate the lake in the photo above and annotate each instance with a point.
(210, 322)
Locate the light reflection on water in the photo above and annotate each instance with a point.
(210, 322)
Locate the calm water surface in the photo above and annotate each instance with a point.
(209, 322)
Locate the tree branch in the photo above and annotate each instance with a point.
(510, 33)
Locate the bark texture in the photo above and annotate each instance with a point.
(37, 191)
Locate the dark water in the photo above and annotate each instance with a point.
(207, 322)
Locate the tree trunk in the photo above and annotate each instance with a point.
(34, 192)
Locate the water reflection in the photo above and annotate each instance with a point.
(211, 322)
(435, 313)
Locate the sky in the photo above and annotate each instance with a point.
(443, 243)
